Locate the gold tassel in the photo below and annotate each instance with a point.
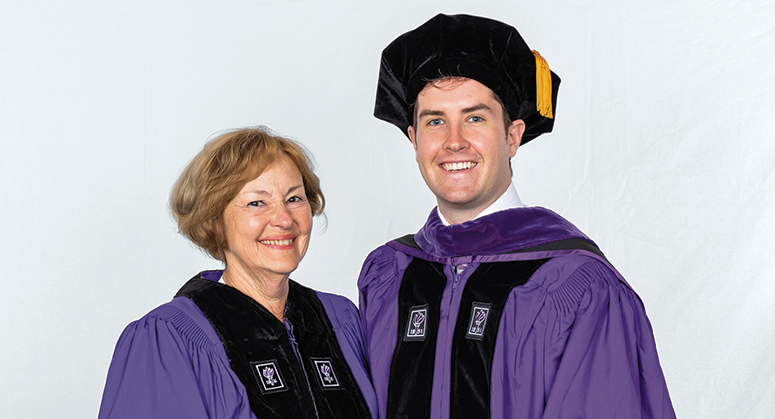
(543, 86)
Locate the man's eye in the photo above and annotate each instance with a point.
(434, 122)
(476, 119)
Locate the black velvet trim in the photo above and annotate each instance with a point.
(411, 370)
(408, 240)
(565, 244)
(473, 347)
(253, 337)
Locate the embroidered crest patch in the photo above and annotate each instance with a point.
(326, 374)
(269, 377)
(478, 321)
(416, 323)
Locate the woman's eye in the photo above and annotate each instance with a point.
(295, 199)
(255, 203)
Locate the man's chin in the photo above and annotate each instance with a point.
(460, 204)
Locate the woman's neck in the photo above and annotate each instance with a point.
(271, 291)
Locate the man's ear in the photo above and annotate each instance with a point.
(412, 137)
(514, 135)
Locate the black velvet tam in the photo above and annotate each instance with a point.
(488, 51)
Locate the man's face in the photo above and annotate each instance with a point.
(463, 147)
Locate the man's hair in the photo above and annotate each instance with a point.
(216, 175)
(457, 79)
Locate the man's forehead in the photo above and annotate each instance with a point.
(427, 98)
(447, 83)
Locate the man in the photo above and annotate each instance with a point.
(493, 309)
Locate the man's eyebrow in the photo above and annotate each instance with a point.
(478, 107)
(428, 112)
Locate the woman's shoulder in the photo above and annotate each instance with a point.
(164, 361)
(338, 308)
(179, 319)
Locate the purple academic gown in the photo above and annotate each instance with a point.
(516, 314)
(171, 364)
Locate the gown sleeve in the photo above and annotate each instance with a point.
(602, 359)
(378, 287)
(166, 365)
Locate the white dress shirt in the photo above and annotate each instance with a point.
(509, 199)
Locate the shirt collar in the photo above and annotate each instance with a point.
(509, 199)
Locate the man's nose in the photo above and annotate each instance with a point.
(456, 140)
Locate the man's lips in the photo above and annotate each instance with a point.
(457, 166)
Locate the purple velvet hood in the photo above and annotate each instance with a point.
(507, 231)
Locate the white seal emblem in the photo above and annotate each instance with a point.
(416, 323)
(478, 320)
(326, 374)
(269, 377)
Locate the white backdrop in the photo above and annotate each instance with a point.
(662, 152)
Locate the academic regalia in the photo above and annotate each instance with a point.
(513, 315)
(213, 352)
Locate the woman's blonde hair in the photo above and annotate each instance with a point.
(218, 173)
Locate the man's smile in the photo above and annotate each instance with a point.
(456, 166)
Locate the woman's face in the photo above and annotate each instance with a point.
(267, 225)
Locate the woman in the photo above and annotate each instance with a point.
(257, 344)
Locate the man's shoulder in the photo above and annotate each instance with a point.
(381, 253)
(381, 264)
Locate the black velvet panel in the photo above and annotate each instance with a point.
(252, 336)
(472, 348)
(411, 370)
(317, 343)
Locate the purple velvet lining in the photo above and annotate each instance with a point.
(508, 230)
(214, 275)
